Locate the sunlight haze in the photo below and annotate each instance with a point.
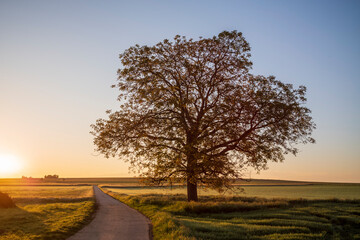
(9, 165)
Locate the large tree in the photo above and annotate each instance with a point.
(191, 112)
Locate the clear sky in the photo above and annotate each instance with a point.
(58, 60)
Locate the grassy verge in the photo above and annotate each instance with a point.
(46, 218)
(247, 218)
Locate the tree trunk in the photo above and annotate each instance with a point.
(192, 191)
(191, 174)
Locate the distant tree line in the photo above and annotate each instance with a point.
(51, 176)
(46, 177)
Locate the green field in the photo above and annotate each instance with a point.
(320, 211)
(266, 209)
(319, 191)
(46, 212)
(312, 220)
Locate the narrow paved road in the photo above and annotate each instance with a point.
(114, 220)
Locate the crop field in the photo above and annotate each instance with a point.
(263, 210)
(45, 212)
(328, 212)
(47, 193)
(320, 191)
(129, 182)
(70, 181)
(311, 220)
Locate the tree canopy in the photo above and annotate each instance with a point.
(191, 112)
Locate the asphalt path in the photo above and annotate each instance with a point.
(114, 220)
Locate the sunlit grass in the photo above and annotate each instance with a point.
(322, 191)
(46, 212)
(231, 217)
(47, 193)
(44, 221)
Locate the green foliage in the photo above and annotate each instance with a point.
(230, 218)
(6, 201)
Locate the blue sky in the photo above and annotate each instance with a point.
(58, 60)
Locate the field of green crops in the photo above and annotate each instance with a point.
(287, 212)
(320, 191)
(45, 212)
(263, 210)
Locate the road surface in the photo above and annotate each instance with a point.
(114, 220)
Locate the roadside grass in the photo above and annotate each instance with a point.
(227, 218)
(47, 215)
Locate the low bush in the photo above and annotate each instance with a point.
(6, 201)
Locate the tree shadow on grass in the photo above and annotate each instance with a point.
(17, 223)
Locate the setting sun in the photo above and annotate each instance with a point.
(9, 164)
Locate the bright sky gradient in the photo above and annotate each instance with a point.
(59, 58)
